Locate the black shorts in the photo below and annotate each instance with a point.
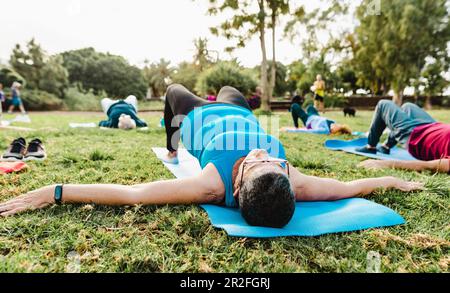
(318, 98)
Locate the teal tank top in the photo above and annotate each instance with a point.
(221, 134)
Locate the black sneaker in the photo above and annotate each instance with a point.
(384, 150)
(35, 151)
(16, 151)
(367, 150)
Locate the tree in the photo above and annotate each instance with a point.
(42, 72)
(393, 46)
(102, 72)
(158, 76)
(223, 74)
(54, 77)
(250, 18)
(8, 76)
(29, 63)
(433, 81)
(280, 85)
(202, 58)
(186, 74)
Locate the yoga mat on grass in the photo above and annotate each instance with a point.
(351, 145)
(310, 218)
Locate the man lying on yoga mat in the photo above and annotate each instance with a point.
(314, 123)
(242, 166)
(426, 140)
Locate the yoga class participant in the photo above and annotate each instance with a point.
(314, 123)
(242, 167)
(426, 139)
(121, 114)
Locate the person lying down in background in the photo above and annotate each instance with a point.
(121, 114)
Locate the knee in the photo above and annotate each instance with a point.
(384, 103)
(295, 108)
(171, 88)
(408, 106)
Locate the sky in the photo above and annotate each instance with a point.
(136, 29)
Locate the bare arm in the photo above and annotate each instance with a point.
(437, 165)
(204, 188)
(310, 188)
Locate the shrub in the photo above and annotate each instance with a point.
(223, 74)
(78, 101)
(41, 101)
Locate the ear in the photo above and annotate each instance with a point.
(236, 192)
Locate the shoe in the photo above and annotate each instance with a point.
(16, 151)
(35, 151)
(366, 150)
(384, 150)
(169, 160)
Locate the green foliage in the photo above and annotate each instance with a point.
(186, 74)
(391, 48)
(40, 100)
(157, 76)
(281, 85)
(76, 100)
(39, 70)
(223, 74)
(54, 77)
(8, 76)
(104, 73)
(181, 238)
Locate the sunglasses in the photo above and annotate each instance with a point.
(250, 162)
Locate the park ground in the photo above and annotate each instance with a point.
(90, 238)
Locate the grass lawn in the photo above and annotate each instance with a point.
(180, 238)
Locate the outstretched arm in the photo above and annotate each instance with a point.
(204, 188)
(310, 188)
(437, 165)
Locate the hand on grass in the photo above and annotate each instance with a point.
(407, 186)
(37, 199)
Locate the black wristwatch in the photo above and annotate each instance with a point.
(58, 194)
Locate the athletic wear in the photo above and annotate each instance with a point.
(430, 142)
(116, 110)
(180, 101)
(15, 151)
(222, 134)
(35, 151)
(311, 119)
(218, 132)
(16, 100)
(401, 121)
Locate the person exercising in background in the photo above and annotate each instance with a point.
(121, 114)
(16, 100)
(319, 93)
(242, 167)
(314, 123)
(426, 139)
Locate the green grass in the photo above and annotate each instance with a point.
(181, 239)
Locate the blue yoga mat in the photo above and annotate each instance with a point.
(310, 218)
(351, 145)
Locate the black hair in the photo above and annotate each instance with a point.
(297, 99)
(267, 200)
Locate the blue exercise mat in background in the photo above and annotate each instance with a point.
(351, 145)
(310, 218)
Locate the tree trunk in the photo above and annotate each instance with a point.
(428, 104)
(398, 97)
(265, 99)
(274, 60)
